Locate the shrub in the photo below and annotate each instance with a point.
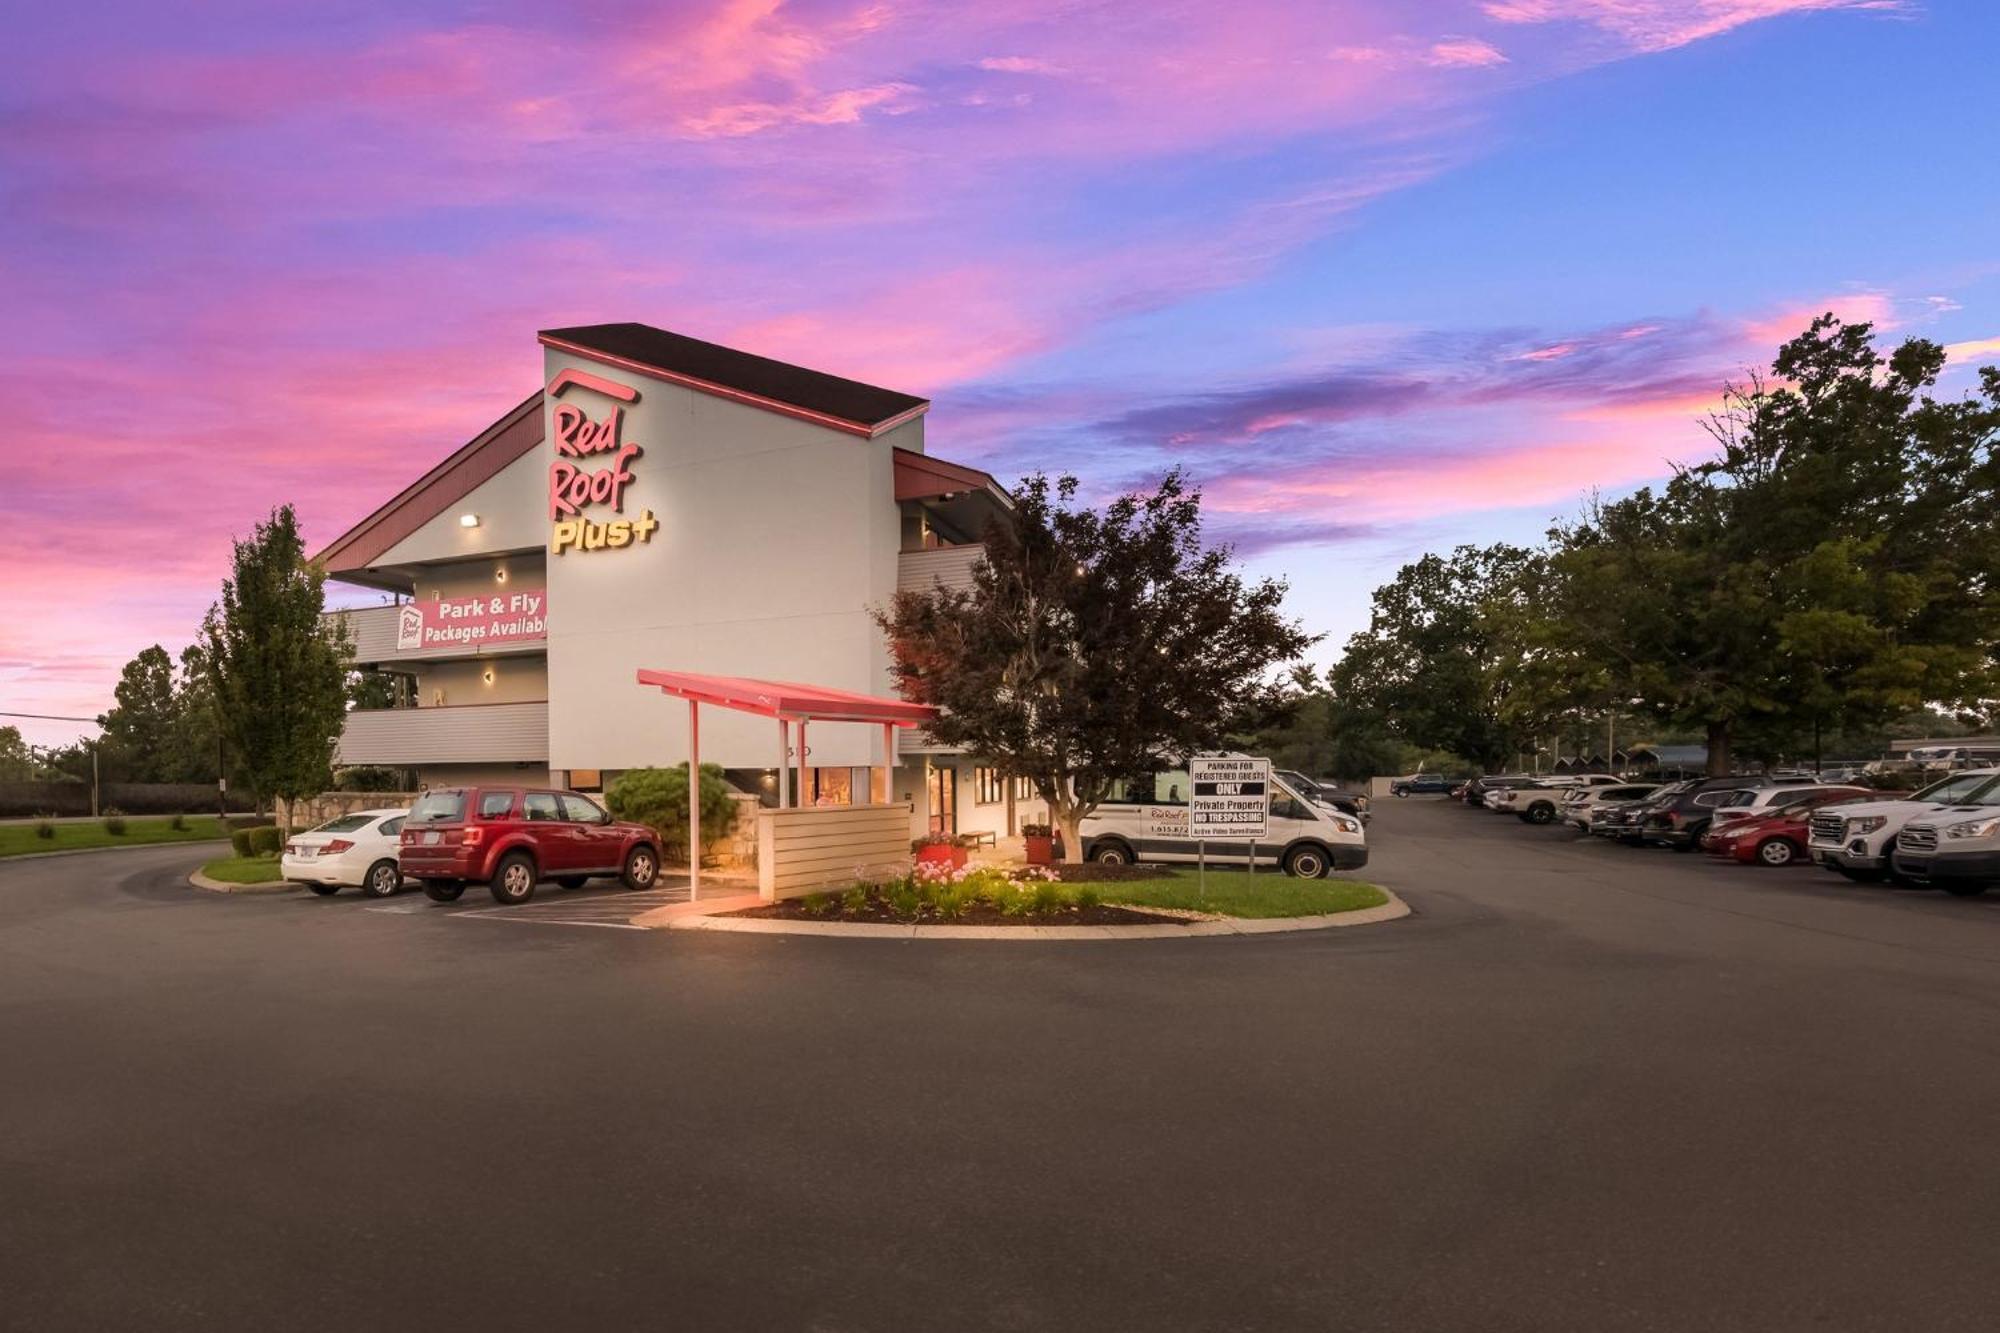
(178, 823)
(1047, 896)
(45, 829)
(939, 840)
(114, 824)
(239, 842)
(818, 904)
(949, 901)
(266, 840)
(1087, 897)
(854, 901)
(368, 777)
(1037, 831)
(902, 899)
(658, 797)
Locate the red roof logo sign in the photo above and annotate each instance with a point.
(576, 485)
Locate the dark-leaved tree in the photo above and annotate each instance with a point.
(277, 665)
(1095, 645)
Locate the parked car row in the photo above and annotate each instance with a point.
(1946, 835)
(507, 838)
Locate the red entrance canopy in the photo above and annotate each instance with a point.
(787, 699)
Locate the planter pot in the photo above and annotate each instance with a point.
(941, 854)
(1041, 851)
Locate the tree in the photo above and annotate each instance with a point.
(195, 750)
(1830, 567)
(17, 760)
(277, 665)
(1094, 646)
(1444, 653)
(140, 728)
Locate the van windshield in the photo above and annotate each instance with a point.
(438, 807)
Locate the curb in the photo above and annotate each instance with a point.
(201, 881)
(1202, 926)
(115, 847)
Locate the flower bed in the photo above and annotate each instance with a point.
(939, 894)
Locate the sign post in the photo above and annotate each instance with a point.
(1229, 798)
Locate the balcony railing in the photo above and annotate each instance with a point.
(920, 571)
(461, 734)
(372, 630)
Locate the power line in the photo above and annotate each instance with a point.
(50, 717)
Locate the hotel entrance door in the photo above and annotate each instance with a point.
(944, 799)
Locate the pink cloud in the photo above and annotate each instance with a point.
(1659, 25)
(1464, 53)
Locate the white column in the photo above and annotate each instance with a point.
(694, 800)
(805, 782)
(784, 763)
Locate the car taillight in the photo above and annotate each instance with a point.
(470, 837)
(337, 846)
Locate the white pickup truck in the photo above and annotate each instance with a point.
(1147, 820)
(1858, 840)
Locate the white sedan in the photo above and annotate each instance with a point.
(357, 849)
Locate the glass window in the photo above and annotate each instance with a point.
(391, 827)
(541, 805)
(987, 788)
(1953, 790)
(1171, 788)
(584, 810)
(1024, 790)
(1284, 806)
(344, 824)
(495, 804)
(438, 807)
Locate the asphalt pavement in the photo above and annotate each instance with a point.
(1583, 1087)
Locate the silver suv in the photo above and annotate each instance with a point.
(1957, 848)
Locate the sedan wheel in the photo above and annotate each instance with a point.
(383, 880)
(1777, 852)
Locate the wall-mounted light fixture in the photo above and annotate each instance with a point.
(468, 520)
(500, 574)
(487, 675)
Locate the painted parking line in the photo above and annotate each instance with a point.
(608, 910)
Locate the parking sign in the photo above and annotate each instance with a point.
(1231, 799)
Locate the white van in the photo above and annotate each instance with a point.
(1146, 819)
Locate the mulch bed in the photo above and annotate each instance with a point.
(978, 914)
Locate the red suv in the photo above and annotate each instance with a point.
(512, 838)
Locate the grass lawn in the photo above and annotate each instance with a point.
(20, 839)
(243, 869)
(1238, 893)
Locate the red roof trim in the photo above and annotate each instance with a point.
(841, 424)
(783, 698)
(468, 467)
(924, 477)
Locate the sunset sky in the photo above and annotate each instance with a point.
(1386, 277)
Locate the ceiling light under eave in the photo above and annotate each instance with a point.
(468, 520)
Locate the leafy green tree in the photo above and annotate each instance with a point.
(373, 689)
(139, 730)
(1442, 661)
(1829, 567)
(659, 797)
(1094, 645)
(277, 665)
(17, 761)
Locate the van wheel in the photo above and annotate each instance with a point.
(443, 890)
(1112, 854)
(513, 879)
(1777, 852)
(1306, 863)
(641, 868)
(383, 879)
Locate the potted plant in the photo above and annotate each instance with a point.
(943, 848)
(1041, 844)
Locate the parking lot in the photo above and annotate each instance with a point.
(1584, 1087)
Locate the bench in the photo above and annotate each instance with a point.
(987, 839)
